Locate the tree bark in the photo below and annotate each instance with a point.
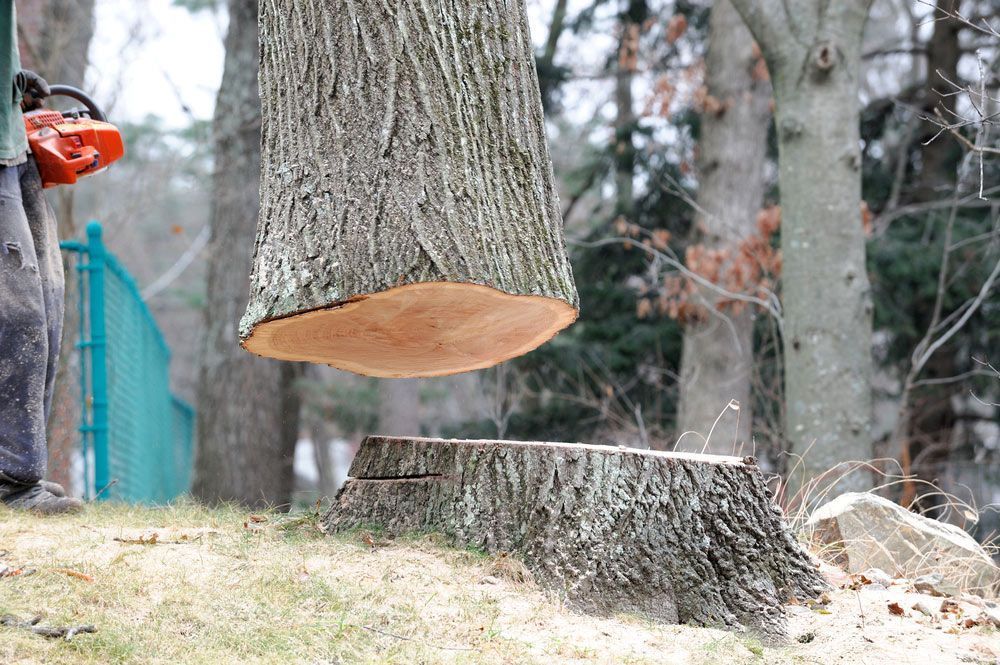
(399, 407)
(53, 39)
(939, 159)
(409, 223)
(248, 408)
(930, 410)
(671, 536)
(813, 53)
(624, 146)
(717, 355)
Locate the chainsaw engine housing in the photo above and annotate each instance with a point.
(67, 149)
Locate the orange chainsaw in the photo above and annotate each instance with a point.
(69, 145)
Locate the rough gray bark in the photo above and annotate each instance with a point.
(813, 53)
(717, 355)
(247, 407)
(402, 143)
(671, 536)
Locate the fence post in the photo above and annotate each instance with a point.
(98, 358)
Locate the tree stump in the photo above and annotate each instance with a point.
(677, 537)
(409, 224)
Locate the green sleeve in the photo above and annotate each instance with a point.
(13, 142)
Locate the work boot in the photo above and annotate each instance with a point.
(52, 488)
(39, 500)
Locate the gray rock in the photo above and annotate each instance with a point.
(878, 576)
(935, 585)
(865, 531)
(923, 608)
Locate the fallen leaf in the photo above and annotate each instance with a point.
(896, 610)
(949, 606)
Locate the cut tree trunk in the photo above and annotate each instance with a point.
(409, 225)
(676, 537)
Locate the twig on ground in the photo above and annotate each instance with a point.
(64, 632)
(154, 539)
(105, 489)
(408, 639)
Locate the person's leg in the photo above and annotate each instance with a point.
(24, 341)
(31, 308)
(44, 233)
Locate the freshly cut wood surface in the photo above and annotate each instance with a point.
(429, 329)
(676, 537)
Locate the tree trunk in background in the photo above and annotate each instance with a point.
(624, 157)
(671, 536)
(717, 356)
(939, 158)
(813, 52)
(930, 409)
(399, 407)
(54, 39)
(248, 408)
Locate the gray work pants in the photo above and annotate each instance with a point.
(31, 319)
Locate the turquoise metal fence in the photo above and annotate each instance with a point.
(136, 435)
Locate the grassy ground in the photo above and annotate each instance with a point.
(220, 586)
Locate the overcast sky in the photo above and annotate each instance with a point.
(150, 57)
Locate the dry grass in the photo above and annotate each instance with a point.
(218, 586)
(960, 570)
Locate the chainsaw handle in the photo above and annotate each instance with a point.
(79, 95)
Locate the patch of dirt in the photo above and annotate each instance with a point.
(875, 624)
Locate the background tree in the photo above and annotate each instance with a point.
(247, 407)
(813, 53)
(717, 359)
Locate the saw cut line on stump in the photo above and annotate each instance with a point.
(676, 537)
(409, 223)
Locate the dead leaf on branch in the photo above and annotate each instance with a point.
(676, 27)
